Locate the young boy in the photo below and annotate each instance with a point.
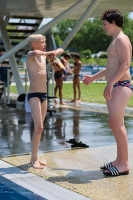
(37, 96)
(118, 89)
(76, 78)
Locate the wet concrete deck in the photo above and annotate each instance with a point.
(74, 169)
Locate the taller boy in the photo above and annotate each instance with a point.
(118, 89)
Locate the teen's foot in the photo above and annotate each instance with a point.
(73, 100)
(62, 103)
(42, 163)
(121, 168)
(113, 171)
(108, 165)
(78, 100)
(36, 165)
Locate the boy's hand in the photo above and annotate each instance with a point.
(108, 91)
(71, 71)
(87, 79)
(51, 55)
(56, 67)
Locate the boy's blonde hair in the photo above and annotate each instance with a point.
(34, 38)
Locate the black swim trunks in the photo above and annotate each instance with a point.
(57, 76)
(75, 76)
(42, 96)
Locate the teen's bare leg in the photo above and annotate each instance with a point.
(74, 90)
(116, 107)
(43, 111)
(55, 89)
(78, 87)
(60, 85)
(36, 113)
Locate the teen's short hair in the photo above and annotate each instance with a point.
(67, 55)
(77, 56)
(33, 38)
(115, 15)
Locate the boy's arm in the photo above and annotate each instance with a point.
(87, 79)
(58, 51)
(37, 52)
(99, 75)
(54, 53)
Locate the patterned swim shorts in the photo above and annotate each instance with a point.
(125, 83)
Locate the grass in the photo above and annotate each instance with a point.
(13, 89)
(92, 93)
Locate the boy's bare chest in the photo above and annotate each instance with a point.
(40, 65)
(40, 61)
(111, 51)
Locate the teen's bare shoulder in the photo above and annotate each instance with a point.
(31, 54)
(79, 63)
(64, 61)
(122, 39)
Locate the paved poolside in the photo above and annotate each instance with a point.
(71, 173)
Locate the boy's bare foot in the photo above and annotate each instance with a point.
(78, 100)
(42, 163)
(73, 100)
(36, 165)
(62, 103)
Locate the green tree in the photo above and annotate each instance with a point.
(86, 53)
(103, 55)
(128, 27)
(91, 35)
(63, 28)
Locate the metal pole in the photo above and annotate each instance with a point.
(4, 92)
(53, 84)
(44, 28)
(54, 47)
(6, 19)
(8, 86)
(26, 80)
(12, 60)
(86, 15)
(48, 82)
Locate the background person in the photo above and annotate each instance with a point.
(76, 78)
(65, 61)
(60, 76)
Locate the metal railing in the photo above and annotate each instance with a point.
(7, 88)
